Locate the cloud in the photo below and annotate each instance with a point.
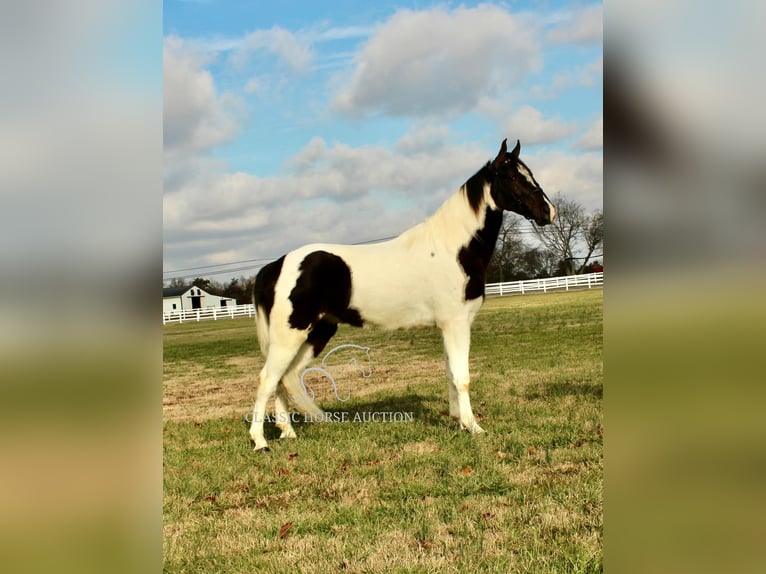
(277, 41)
(581, 76)
(579, 177)
(585, 26)
(437, 62)
(195, 116)
(332, 193)
(529, 126)
(593, 138)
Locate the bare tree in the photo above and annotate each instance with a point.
(593, 235)
(561, 236)
(508, 250)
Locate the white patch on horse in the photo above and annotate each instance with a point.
(552, 209)
(526, 173)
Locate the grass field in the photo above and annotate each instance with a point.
(412, 496)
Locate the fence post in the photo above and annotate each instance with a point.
(589, 276)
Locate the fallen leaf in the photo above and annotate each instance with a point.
(466, 470)
(344, 465)
(282, 471)
(501, 454)
(285, 529)
(531, 451)
(292, 456)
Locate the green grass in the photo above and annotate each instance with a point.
(417, 496)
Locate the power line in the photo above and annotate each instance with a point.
(202, 268)
(216, 265)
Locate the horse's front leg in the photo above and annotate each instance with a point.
(457, 345)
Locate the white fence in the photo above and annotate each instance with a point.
(492, 289)
(566, 283)
(206, 313)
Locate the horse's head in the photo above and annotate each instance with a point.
(514, 187)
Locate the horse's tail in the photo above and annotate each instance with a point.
(263, 300)
(262, 328)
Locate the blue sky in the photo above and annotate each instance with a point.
(298, 121)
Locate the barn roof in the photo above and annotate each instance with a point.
(175, 291)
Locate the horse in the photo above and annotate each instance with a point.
(433, 274)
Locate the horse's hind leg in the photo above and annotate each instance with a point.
(280, 357)
(281, 414)
(291, 385)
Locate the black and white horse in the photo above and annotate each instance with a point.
(432, 274)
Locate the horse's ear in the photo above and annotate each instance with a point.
(516, 150)
(501, 154)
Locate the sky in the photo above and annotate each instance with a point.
(294, 122)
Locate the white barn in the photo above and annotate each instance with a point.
(189, 297)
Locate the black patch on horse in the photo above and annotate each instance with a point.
(320, 334)
(265, 283)
(474, 257)
(323, 288)
(474, 188)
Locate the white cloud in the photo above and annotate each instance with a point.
(252, 86)
(584, 26)
(330, 193)
(593, 138)
(278, 41)
(529, 126)
(581, 76)
(195, 116)
(579, 177)
(436, 62)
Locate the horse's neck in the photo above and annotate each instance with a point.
(456, 222)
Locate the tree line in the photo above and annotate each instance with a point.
(568, 246)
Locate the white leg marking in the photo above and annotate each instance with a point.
(457, 344)
(278, 361)
(281, 413)
(454, 408)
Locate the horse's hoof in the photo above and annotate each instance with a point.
(263, 449)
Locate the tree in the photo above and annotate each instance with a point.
(561, 237)
(509, 248)
(202, 283)
(177, 282)
(593, 235)
(240, 289)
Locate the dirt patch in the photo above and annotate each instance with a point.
(193, 392)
